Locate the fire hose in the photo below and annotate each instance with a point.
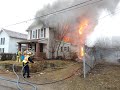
(19, 78)
(49, 82)
(2, 78)
(31, 83)
(13, 81)
(17, 81)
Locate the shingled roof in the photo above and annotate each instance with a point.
(15, 34)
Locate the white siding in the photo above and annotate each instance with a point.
(29, 32)
(5, 46)
(10, 45)
(13, 45)
(47, 33)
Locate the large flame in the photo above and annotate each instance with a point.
(82, 52)
(83, 26)
(83, 31)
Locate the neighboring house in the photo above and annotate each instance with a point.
(41, 40)
(9, 39)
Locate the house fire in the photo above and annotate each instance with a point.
(45, 43)
(81, 19)
(80, 22)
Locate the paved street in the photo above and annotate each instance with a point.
(5, 85)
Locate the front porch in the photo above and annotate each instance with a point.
(37, 47)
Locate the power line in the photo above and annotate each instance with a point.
(58, 11)
(116, 12)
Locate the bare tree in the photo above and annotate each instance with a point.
(58, 35)
(61, 32)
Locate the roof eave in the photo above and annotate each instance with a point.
(19, 38)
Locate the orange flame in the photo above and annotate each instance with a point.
(66, 39)
(83, 31)
(82, 52)
(83, 25)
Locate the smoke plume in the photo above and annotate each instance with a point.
(90, 10)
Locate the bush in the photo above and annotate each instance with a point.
(42, 65)
(7, 56)
(59, 58)
(74, 56)
(39, 66)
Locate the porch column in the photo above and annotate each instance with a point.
(37, 54)
(28, 45)
(19, 46)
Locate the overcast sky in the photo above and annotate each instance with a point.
(108, 27)
(13, 11)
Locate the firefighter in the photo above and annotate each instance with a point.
(18, 56)
(26, 61)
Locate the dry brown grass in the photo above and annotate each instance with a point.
(103, 77)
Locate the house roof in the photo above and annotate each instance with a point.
(36, 23)
(15, 34)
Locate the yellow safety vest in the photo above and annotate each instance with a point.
(26, 59)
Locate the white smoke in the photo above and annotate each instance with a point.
(91, 10)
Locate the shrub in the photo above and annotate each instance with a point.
(7, 56)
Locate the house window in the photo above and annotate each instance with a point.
(43, 33)
(34, 34)
(65, 48)
(1, 50)
(2, 41)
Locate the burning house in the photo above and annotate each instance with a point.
(44, 43)
(81, 18)
(70, 24)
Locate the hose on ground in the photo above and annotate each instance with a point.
(49, 82)
(18, 86)
(34, 87)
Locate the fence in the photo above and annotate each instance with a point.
(7, 56)
(89, 59)
(97, 55)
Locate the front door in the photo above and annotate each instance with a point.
(41, 47)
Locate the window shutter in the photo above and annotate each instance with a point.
(31, 34)
(44, 32)
(36, 33)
